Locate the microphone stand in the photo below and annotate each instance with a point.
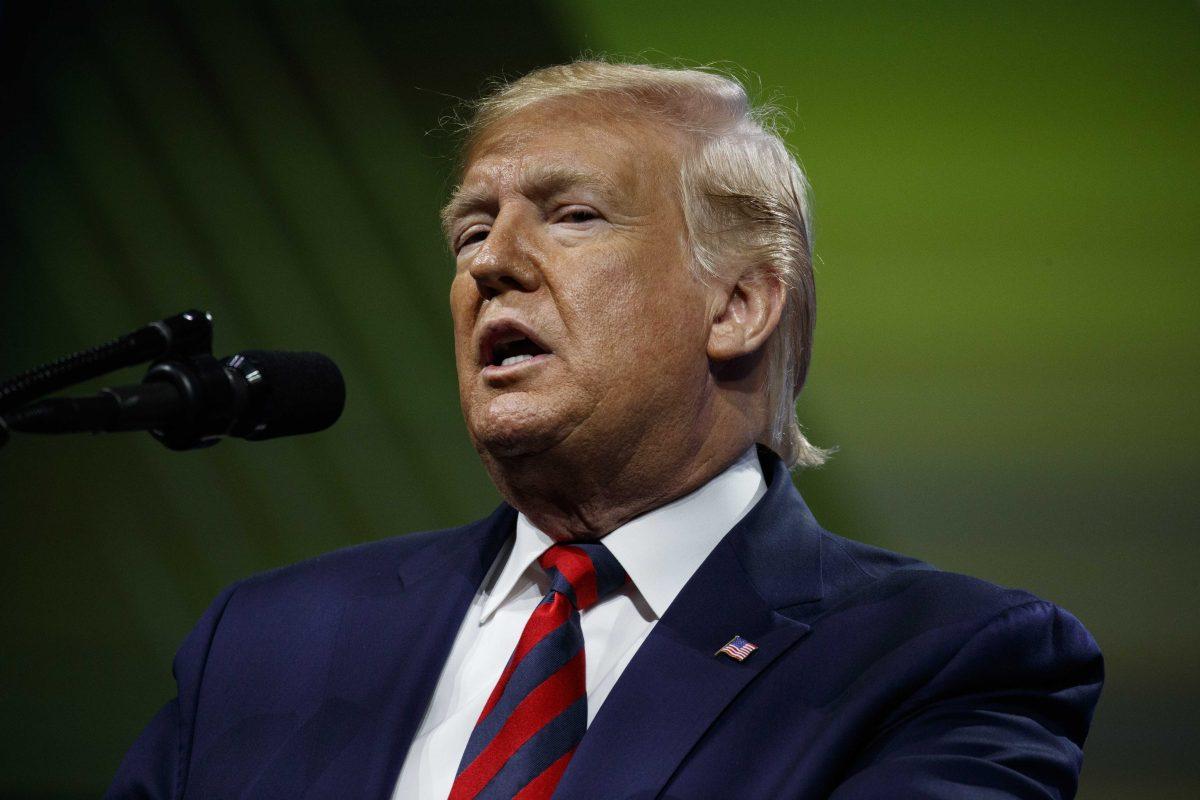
(185, 336)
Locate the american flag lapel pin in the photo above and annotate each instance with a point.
(737, 648)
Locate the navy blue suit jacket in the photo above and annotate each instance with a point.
(876, 676)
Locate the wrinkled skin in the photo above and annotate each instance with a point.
(568, 229)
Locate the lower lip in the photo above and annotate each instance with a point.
(500, 371)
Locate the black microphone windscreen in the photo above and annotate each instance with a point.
(303, 392)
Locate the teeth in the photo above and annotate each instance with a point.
(515, 359)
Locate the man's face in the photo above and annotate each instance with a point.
(576, 317)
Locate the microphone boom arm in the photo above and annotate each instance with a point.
(186, 334)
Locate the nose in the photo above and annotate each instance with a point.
(507, 260)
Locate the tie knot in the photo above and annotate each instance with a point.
(585, 573)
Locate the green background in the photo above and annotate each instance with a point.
(1006, 203)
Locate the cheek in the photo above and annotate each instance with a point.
(462, 313)
(637, 311)
(615, 292)
(666, 317)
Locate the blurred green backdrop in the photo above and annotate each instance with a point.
(1006, 200)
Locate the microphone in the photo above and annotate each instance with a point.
(194, 402)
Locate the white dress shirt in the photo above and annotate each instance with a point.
(659, 550)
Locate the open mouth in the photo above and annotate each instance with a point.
(505, 354)
(509, 343)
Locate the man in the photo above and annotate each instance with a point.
(653, 612)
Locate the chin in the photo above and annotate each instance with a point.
(512, 425)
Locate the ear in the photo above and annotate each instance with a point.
(747, 314)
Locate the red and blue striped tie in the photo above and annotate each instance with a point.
(537, 713)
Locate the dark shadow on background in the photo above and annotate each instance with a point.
(74, 700)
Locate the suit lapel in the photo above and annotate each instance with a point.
(675, 688)
(393, 639)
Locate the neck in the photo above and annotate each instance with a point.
(583, 493)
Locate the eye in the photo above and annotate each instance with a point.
(576, 215)
(472, 235)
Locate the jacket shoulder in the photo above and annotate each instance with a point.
(855, 573)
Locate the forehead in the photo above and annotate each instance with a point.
(556, 145)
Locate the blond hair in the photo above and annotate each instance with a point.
(745, 199)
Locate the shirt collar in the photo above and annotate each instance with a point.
(661, 549)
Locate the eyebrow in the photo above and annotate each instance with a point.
(537, 182)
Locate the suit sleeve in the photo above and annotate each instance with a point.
(155, 768)
(1006, 717)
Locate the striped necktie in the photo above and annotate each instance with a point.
(537, 713)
